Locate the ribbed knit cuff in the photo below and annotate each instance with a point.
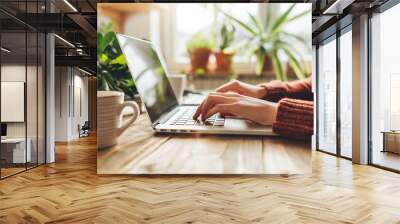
(294, 118)
(276, 90)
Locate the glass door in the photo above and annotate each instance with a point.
(346, 93)
(14, 155)
(326, 94)
(22, 77)
(385, 89)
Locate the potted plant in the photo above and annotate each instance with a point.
(199, 49)
(223, 56)
(112, 71)
(268, 41)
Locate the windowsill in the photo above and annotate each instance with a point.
(267, 75)
(217, 75)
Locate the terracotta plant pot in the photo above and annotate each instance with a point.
(267, 63)
(267, 66)
(224, 61)
(199, 59)
(289, 70)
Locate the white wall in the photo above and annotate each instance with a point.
(102, 20)
(33, 127)
(62, 81)
(69, 82)
(15, 73)
(134, 21)
(80, 93)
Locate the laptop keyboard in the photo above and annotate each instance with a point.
(186, 118)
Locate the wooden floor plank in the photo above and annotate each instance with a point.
(70, 191)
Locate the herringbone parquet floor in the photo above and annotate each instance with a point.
(70, 191)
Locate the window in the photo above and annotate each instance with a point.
(300, 27)
(183, 20)
(185, 28)
(327, 96)
(385, 88)
(346, 94)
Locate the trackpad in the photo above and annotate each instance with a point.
(241, 124)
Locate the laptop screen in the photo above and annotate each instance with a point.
(149, 76)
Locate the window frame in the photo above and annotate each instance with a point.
(333, 37)
(382, 8)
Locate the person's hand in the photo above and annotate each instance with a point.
(233, 104)
(243, 89)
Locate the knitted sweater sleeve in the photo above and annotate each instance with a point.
(300, 89)
(294, 118)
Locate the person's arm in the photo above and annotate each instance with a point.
(233, 104)
(276, 90)
(294, 119)
(291, 118)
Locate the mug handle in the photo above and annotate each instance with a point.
(135, 115)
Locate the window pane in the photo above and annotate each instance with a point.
(327, 97)
(346, 94)
(300, 27)
(14, 153)
(31, 98)
(41, 99)
(385, 88)
(186, 27)
(188, 22)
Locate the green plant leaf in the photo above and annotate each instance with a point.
(199, 41)
(256, 22)
(281, 20)
(297, 37)
(268, 18)
(244, 26)
(108, 37)
(100, 43)
(119, 60)
(293, 62)
(260, 55)
(277, 66)
(289, 46)
(112, 71)
(103, 58)
(298, 15)
(226, 36)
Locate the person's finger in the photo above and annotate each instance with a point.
(199, 108)
(222, 114)
(198, 111)
(213, 99)
(232, 94)
(230, 86)
(221, 108)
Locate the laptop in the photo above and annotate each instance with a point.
(149, 73)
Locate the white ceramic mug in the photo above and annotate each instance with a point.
(178, 84)
(110, 126)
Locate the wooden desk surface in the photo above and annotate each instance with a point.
(141, 151)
